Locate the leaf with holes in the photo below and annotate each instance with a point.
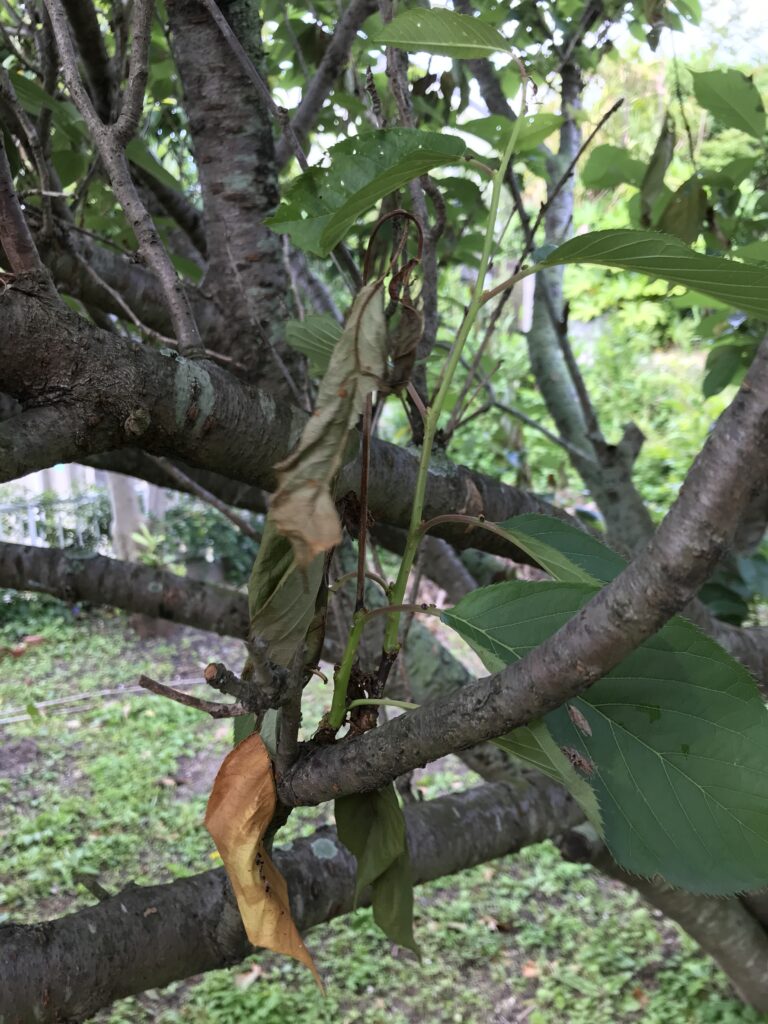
(677, 734)
(240, 808)
(323, 203)
(442, 32)
(741, 285)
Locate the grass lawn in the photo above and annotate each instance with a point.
(115, 788)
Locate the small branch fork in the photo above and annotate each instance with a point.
(211, 707)
(110, 141)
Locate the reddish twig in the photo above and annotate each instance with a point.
(210, 707)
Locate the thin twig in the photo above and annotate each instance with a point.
(8, 93)
(569, 169)
(205, 495)
(362, 533)
(210, 707)
(110, 141)
(510, 410)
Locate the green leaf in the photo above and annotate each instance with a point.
(675, 744)
(740, 285)
(534, 744)
(567, 554)
(733, 99)
(685, 212)
(70, 165)
(652, 184)
(138, 153)
(33, 98)
(372, 827)
(609, 166)
(757, 252)
(442, 32)
(533, 130)
(315, 337)
(242, 727)
(281, 597)
(323, 203)
(725, 363)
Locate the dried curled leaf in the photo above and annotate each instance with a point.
(240, 808)
(302, 508)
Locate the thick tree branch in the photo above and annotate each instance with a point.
(147, 937)
(136, 588)
(114, 394)
(239, 186)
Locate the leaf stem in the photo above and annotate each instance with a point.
(479, 296)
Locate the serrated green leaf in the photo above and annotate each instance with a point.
(609, 166)
(372, 827)
(281, 597)
(567, 554)
(676, 745)
(443, 32)
(323, 203)
(733, 99)
(740, 285)
(315, 337)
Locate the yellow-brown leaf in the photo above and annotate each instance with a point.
(240, 808)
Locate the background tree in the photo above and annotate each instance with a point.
(166, 314)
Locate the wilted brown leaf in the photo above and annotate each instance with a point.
(240, 808)
(302, 508)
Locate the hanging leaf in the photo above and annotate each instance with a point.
(315, 337)
(240, 808)
(740, 285)
(679, 723)
(653, 179)
(281, 596)
(303, 508)
(323, 203)
(372, 828)
(442, 32)
(609, 166)
(733, 99)
(685, 212)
